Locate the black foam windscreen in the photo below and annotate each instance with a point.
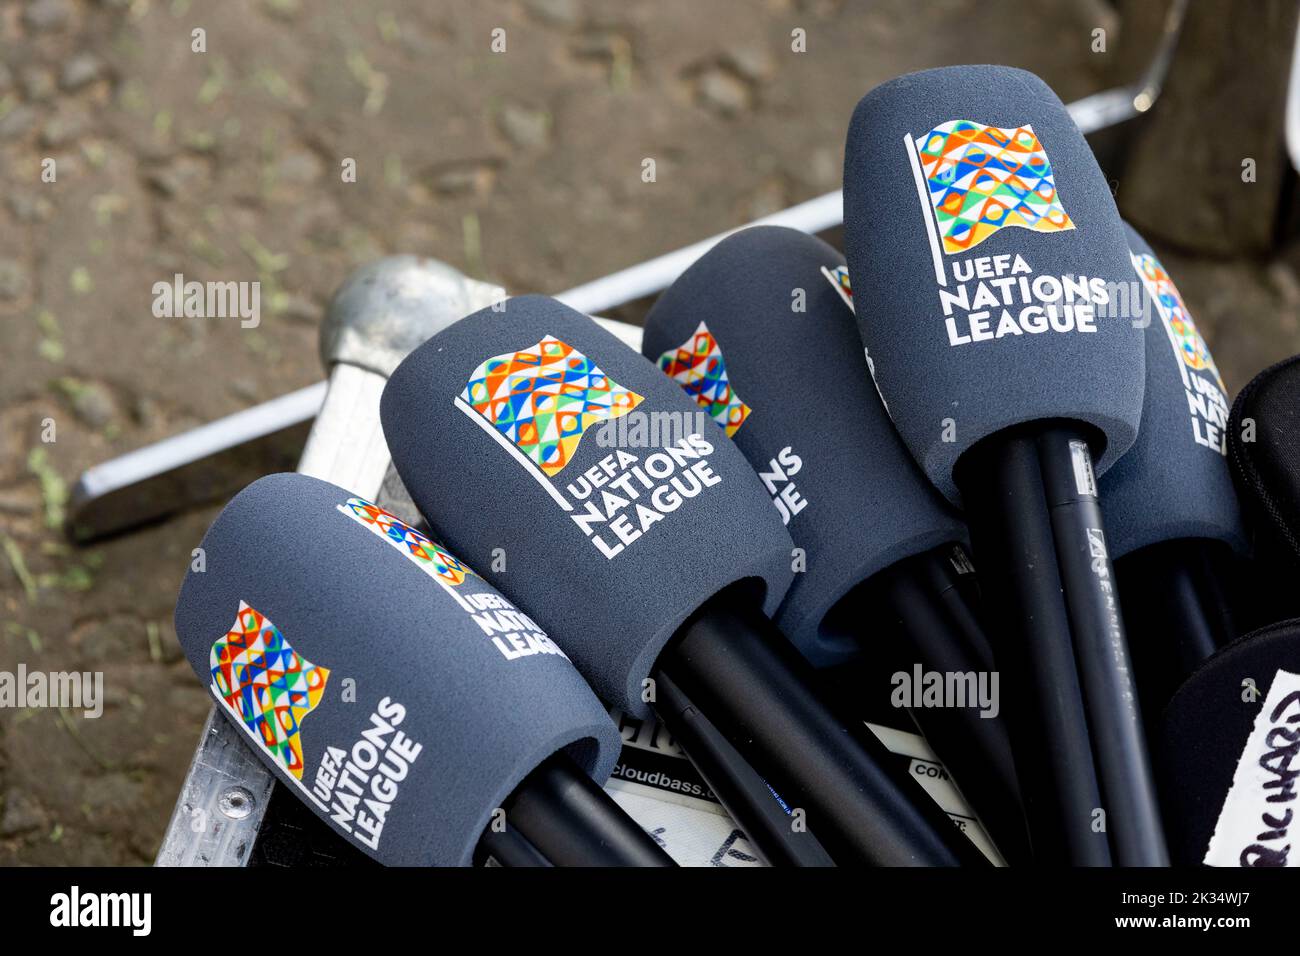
(758, 332)
(984, 246)
(386, 684)
(581, 482)
(1229, 754)
(1174, 481)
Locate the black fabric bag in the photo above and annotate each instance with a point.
(1264, 452)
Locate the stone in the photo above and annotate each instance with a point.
(463, 179)
(523, 127)
(563, 13)
(299, 308)
(82, 69)
(598, 46)
(63, 128)
(174, 178)
(245, 389)
(19, 500)
(46, 15)
(751, 63)
(723, 92)
(94, 405)
(299, 167)
(22, 814)
(17, 122)
(13, 279)
(145, 412)
(29, 207)
(38, 84)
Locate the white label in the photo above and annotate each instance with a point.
(695, 830)
(960, 560)
(1261, 814)
(1084, 480)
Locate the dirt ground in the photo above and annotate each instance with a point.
(523, 167)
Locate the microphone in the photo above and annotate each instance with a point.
(983, 244)
(1172, 518)
(758, 333)
(395, 692)
(380, 312)
(375, 319)
(597, 495)
(1227, 747)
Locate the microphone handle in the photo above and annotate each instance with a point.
(745, 795)
(1101, 648)
(573, 822)
(1006, 510)
(756, 688)
(942, 633)
(508, 848)
(1174, 592)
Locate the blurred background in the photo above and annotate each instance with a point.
(523, 167)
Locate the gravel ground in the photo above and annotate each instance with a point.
(523, 167)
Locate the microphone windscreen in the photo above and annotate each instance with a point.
(983, 243)
(758, 331)
(1227, 754)
(581, 482)
(390, 687)
(1174, 481)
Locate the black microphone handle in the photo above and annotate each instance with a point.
(1174, 594)
(756, 688)
(1101, 648)
(738, 787)
(1006, 510)
(573, 822)
(508, 848)
(942, 633)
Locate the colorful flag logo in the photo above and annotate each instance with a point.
(268, 685)
(839, 279)
(1182, 331)
(541, 400)
(698, 366)
(427, 554)
(981, 179)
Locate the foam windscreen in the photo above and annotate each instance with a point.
(582, 483)
(1174, 481)
(386, 684)
(758, 332)
(984, 243)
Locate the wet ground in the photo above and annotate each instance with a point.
(522, 166)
